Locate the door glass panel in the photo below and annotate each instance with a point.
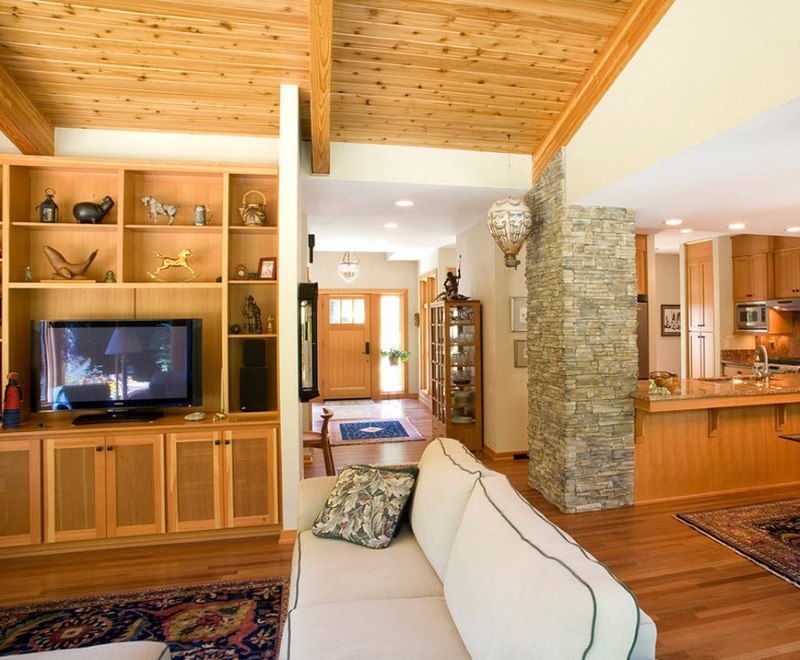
(347, 311)
(358, 311)
(391, 337)
(335, 311)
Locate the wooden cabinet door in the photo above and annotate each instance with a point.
(194, 481)
(695, 361)
(742, 279)
(760, 276)
(20, 493)
(251, 477)
(700, 295)
(74, 489)
(787, 273)
(135, 484)
(641, 265)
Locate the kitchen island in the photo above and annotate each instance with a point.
(716, 435)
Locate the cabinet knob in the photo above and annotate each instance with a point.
(110, 448)
(227, 442)
(217, 442)
(98, 449)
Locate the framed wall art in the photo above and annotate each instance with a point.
(670, 320)
(268, 268)
(519, 314)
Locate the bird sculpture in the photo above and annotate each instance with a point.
(63, 269)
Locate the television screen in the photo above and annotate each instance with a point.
(80, 365)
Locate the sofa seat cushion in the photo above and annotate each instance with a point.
(547, 598)
(447, 474)
(140, 650)
(329, 570)
(408, 628)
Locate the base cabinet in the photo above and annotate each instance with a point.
(20, 493)
(222, 479)
(103, 487)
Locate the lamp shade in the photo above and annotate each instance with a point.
(510, 222)
(348, 267)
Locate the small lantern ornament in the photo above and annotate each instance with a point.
(510, 222)
(48, 209)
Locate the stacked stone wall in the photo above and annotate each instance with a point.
(582, 355)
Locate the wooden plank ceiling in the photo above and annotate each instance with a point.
(463, 74)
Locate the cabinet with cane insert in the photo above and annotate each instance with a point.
(145, 268)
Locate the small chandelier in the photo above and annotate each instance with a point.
(510, 223)
(348, 267)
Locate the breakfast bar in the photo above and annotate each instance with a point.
(716, 435)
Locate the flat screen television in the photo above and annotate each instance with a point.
(130, 369)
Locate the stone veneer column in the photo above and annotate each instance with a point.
(582, 357)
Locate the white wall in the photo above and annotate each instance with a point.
(708, 66)
(484, 277)
(665, 290)
(377, 273)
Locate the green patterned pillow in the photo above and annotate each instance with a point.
(366, 504)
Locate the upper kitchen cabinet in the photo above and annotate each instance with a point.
(753, 266)
(787, 273)
(641, 265)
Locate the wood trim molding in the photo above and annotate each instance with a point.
(320, 54)
(287, 537)
(21, 122)
(635, 27)
(502, 455)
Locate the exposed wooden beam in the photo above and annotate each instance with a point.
(321, 42)
(21, 122)
(639, 21)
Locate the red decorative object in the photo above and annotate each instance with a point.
(11, 400)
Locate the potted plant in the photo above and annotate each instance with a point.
(396, 355)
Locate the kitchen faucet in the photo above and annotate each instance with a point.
(761, 363)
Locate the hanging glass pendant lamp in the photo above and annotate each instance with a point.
(348, 267)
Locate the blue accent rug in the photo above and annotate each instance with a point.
(373, 430)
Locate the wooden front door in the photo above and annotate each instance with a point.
(345, 352)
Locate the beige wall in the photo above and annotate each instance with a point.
(377, 273)
(708, 66)
(484, 277)
(666, 290)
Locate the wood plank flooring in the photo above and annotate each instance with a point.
(707, 601)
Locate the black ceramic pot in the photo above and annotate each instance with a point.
(90, 212)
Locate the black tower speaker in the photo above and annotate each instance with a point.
(254, 353)
(252, 389)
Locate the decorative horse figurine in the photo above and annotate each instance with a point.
(156, 208)
(181, 261)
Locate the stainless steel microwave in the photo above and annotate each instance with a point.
(751, 317)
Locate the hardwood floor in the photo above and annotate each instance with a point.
(707, 601)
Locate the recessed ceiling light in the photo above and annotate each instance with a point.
(737, 225)
(404, 202)
(686, 230)
(793, 230)
(390, 225)
(673, 222)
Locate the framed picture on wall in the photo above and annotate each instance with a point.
(520, 353)
(670, 320)
(519, 314)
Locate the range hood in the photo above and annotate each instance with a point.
(785, 304)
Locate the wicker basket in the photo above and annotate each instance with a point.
(665, 379)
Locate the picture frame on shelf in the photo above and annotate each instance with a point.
(670, 320)
(268, 268)
(519, 314)
(520, 352)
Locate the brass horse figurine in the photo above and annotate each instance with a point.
(181, 261)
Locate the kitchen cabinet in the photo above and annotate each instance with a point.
(752, 277)
(700, 287)
(222, 480)
(701, 355)
(20, 493)
(787, 273)
(641, 264)
(456, 371)
(103, 486)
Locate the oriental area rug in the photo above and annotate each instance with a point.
(766, 534)
(368, 431)
(231, 620)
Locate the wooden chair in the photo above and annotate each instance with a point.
(320, 440)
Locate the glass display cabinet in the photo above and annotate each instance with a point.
(456, 371)
(307, 345)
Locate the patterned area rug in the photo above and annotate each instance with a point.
(367, 431)
(767, 534)
(231, 620)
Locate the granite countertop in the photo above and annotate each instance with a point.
(697, 388)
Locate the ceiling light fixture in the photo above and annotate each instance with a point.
(793, 230)
(348, 267)
(737, 225)
(404, 202)
(390, 225)
(673, 222)
(510, 222)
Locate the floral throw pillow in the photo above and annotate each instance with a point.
(366, 504)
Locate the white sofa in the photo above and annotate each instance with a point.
(139, 650)
(477, 572)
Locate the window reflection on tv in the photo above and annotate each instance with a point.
(116, 364)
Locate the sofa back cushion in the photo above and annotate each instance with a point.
(518, 586)
(447, 474)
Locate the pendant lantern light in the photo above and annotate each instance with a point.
(348, 267)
